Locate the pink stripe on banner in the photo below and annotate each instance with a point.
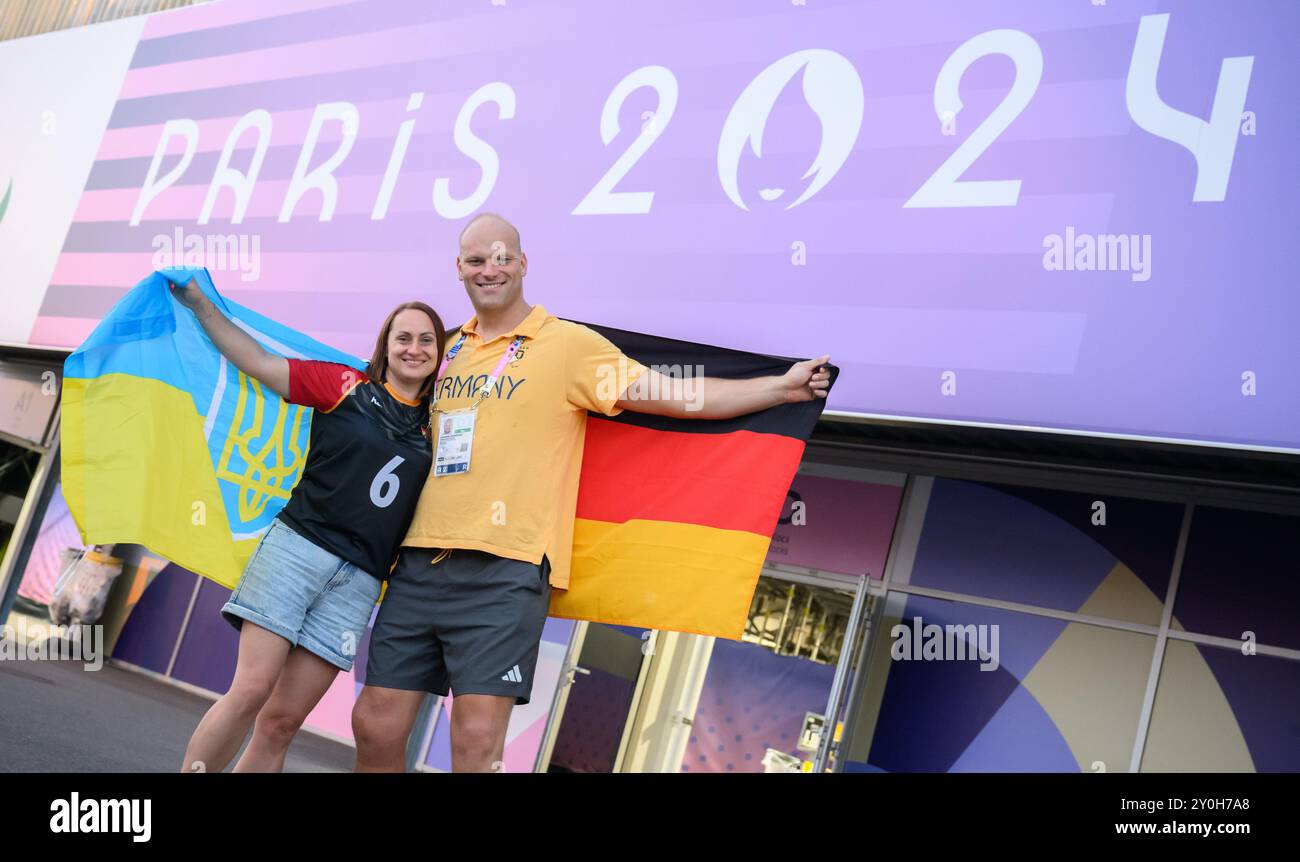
(356, 196)
(364, 51)
(117, 204)
(343, 272)
(61, 331)
(219, 14)
(381, 119)
(106, 270)
(73, 331)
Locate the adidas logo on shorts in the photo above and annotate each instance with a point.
(513, 675)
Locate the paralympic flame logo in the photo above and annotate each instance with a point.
(833, 90)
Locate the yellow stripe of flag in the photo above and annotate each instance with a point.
(686, 577)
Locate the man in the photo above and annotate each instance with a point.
(493, 530)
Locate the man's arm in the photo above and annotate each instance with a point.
(720, 398)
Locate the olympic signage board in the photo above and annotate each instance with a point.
(1058, 215)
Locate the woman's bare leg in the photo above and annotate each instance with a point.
(217, 739)
(303, 682)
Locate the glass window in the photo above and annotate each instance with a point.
(1217, 710)
(1241, 573)
(1085, 553)
(954, 687)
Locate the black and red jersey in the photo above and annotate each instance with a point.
(368, 460)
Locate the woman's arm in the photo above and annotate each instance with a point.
(235, 344)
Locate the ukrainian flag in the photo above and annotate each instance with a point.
(166, 444)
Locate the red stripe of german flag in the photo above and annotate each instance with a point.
(730, 481)
(675, 516)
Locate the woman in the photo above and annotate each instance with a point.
(306, 595)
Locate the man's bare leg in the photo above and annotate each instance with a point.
(381, 725)
(478, 731)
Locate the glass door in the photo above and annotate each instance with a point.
(600, 700)
(765, 697)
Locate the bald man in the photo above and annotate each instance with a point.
(493, 530)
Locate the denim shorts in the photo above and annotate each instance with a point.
(306, 595)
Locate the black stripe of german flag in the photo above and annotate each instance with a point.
(675, 515)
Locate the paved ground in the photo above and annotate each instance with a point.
(57, 717)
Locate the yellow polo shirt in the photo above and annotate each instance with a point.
(520, 494)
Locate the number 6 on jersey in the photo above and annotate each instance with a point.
(383, 488)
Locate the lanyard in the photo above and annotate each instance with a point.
(496, 372)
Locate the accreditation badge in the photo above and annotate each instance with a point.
(455, 442)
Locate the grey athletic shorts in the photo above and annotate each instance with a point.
(470, 623)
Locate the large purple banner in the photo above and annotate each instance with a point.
(1067, 215)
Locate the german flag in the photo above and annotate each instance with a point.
(675, 516)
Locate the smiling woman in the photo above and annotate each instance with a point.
(307, 593)
(408, 350)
